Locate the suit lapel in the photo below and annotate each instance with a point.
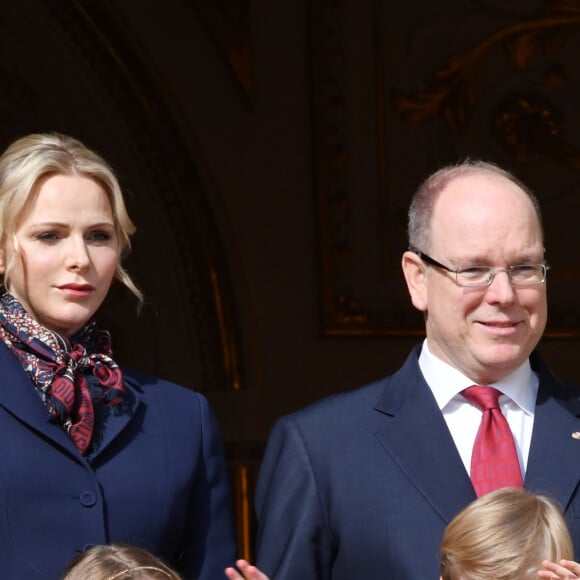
(19, 398)
(416, 436)
(554, 460)
(117, 421)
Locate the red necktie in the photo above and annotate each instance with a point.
(494, 461)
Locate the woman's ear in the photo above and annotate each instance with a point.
(415, 277)
(2, 262)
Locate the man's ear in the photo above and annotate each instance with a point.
(414, 271)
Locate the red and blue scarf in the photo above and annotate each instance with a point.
(57, 366)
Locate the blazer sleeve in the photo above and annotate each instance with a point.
(293, 538)
(210, 543)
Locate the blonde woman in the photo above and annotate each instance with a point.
(92, 452)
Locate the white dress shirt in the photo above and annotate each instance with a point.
(517, 403)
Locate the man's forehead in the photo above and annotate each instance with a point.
(481, 180)
(483, 197)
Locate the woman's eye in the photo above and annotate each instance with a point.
(47, 236)
(99, 236)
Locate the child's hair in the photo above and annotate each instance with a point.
(504, 535)
(118, 562)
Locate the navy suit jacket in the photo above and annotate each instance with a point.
(158, 481)
(361, 485)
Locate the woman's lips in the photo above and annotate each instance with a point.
(79, 290)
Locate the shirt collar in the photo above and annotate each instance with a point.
(446, 382)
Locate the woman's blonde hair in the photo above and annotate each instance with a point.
(118, 562)
(34, 157)
(504, 535)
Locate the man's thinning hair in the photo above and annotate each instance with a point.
(423, 202)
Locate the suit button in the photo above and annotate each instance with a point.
(88, 498)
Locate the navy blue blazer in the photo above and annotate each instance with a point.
(159, 481)
(361, 485)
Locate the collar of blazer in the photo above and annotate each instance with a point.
(19, 398)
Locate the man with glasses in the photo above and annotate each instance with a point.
(360, 486)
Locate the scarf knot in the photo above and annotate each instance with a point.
(57, 366)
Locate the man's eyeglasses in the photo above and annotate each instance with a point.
(482, 276)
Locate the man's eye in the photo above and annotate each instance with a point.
(474, 272)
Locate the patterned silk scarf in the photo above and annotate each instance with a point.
(55, 364)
